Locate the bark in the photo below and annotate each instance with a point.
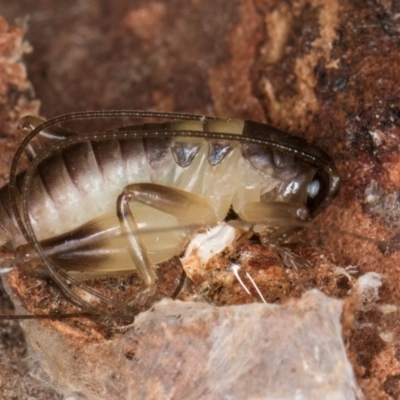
(325, 70)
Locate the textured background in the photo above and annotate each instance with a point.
(325, 70)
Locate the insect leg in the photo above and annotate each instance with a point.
(183, 205)
(181, 280)
(288, 213)
(273, 222)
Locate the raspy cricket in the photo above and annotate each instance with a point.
(109, 197)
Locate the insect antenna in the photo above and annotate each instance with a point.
(20, 201)
(47, 316)
(59, 276)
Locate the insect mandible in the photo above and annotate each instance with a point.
(94, 202)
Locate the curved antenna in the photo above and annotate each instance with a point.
(46, 316)
(58, 275)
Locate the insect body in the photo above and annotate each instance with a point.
(128, 197)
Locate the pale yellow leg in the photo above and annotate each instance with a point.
(274, 221)
(182, 205)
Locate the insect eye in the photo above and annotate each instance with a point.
(317, 190)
